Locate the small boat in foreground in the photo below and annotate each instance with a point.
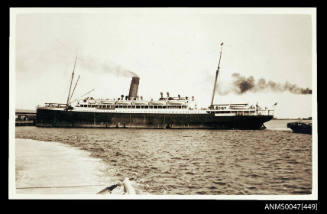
(128, 189)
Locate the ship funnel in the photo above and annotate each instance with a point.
(133, 88)
(161, 94)
(167, 94)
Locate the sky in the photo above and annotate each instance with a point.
(172, 50)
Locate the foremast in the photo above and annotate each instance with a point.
(70, 86)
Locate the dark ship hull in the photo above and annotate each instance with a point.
(298, 127)
(78, 119)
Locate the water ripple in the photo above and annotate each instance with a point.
(196, 161)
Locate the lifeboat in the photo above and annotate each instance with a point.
(124, 102)
(108, 101)
(157, 102)
(177, 102)
(140, 102)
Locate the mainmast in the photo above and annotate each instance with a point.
(217, 71)
(71, 81)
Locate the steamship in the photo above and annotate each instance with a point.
(133, 111)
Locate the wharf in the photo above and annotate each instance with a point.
(24, 123)
(25, 117)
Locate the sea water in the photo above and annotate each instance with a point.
(209, 162)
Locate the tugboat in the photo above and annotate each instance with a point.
(133, 111)
(300, 127)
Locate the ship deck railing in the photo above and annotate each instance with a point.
(243, 112)
(52, 105)
(157, 111)
(256, 113)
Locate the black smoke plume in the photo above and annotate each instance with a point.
(241, 85)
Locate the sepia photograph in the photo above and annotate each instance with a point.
(163, 103)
